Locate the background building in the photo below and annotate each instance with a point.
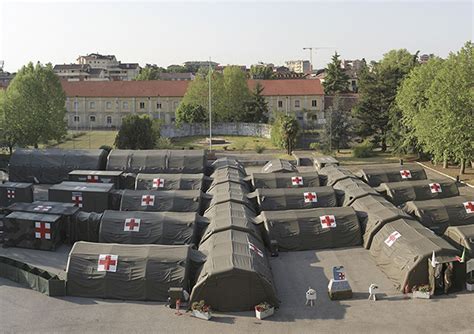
(299, 66)
(103, 104)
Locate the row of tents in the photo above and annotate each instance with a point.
(399, 239)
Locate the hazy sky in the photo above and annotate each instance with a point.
(230, 32)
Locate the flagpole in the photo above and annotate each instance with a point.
(210, 107)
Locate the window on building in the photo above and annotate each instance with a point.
(142, 105)
(314, 103)
(92, 105)
(297, 103)
(125, 105)
(158, 105)
(92, 118)
(76, 119)
(76, 105)
(280, 104)
(108, 105)
(176, 104)
(109, 120)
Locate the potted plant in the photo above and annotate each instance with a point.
(422, 292)
(263, 310)
(201, 310)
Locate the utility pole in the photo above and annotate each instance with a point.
(210, 106)
(311, 48)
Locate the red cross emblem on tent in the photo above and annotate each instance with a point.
(158, 183)
(42, 230)
(254, 248)
(10, 193)
(132, 225)
(469, 206)
(297, 180)
(77, 199)
(392, 238)
(42, 208)
(107, 262)
(92, 178)
(328, 221)
(148, 200)
(310, 197)
(405, 173)
(435, 188)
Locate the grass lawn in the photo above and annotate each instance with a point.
(233, 143)
(88, 140)
(454, 171)
(345, 158)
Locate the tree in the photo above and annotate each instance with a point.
(438, 102)
(229, 93)
(256, 109)
(136, 133)
(236, 93)
(150, 73)
(34, 107)
(375, 111)
(191, 113)
(338, 127)
(261, 72)
(284, 132)
(336, 80)
(178, 69)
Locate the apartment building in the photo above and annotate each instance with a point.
(299, 66)
(104, 104)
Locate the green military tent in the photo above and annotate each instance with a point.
(84, 226)
(169, 181)
(348, 190)
(14, 192)
(52, 165)
(161, 200)
(438, 214)
(230, 192)
(376, 175)
(401, 192)
(295, 230)
(374, 212)
(236, 275)
(227, 162)
(97, 176)
(158, 161)
(225, 175)
(298, 198)
(330, 175)
(32, 230)
(129, 272)
(462, 237)
(321, 162)
(89, 197)
(230, 216)
(285, 180)
(138, 227)
(279, 166)
(401, 249)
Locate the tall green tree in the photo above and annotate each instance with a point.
(150, 73)
(376, 110)
(136, 133)
(284, 133)
(34, 106)
(256, 109)
(191, 113)
(336, 80)
(261, 72)
(338, 126)
(229, 93)
(438, 102)
(179, 69)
